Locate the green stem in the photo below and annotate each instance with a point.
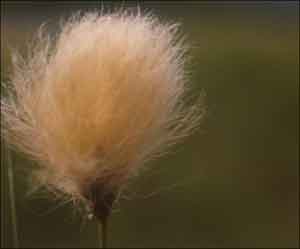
(102, 233)
(12, 200)
(3, 206)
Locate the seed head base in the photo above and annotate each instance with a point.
(101, 200)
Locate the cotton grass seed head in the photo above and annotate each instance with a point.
(96, 102)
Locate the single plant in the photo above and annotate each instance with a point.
(93, 105)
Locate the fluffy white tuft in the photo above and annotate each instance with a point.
(98, 101)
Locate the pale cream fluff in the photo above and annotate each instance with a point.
(98, 101)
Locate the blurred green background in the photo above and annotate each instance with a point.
(235, 183)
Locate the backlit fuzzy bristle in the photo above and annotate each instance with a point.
(98, 101)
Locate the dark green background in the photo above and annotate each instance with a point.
(235, 183)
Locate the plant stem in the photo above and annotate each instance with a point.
(12, 198)
(102, 233)
(3, 188)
